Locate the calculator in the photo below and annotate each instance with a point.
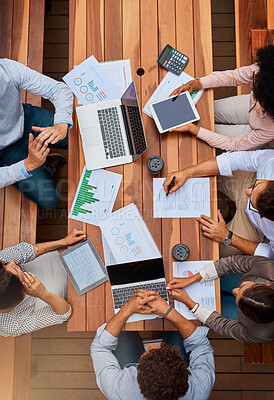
(173, 60)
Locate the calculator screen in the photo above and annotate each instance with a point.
(84, 266)
(173, 113)
(165, 53)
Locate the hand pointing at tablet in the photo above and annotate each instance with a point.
(187, 128)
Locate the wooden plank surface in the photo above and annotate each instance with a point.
(270, 14)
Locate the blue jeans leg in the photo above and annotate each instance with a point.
(40, 186)
(129, 349)
(228, 283)
(175, 339)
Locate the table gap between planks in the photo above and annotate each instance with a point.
(22, 36)
(138, 30)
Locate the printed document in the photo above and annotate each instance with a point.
(169, 83)
(202, 293)
(95, 196)
(90, 83)
(127, 237)
(120, 73)
(190, 201)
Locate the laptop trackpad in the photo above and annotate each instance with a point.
(91, 136)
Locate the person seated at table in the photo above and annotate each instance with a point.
(125, 371)
(241, 122)
(19, 120)
(254, 218)
(249, 317)
(38, 152)
(33, 286)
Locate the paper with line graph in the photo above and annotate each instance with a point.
(90, 83)
(190, 201)
(127, 237)
(202, 293)
(95, 196)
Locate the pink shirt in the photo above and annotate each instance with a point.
(261, 123)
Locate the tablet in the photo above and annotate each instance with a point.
(84, 266)
(169, 113)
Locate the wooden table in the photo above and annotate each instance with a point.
(138, 30)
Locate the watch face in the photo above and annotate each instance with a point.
(226, 241)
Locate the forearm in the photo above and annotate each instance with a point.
(244, 245)
(206, 168)
(58, 304)
(184, 326)
(117, 322)
(46, 247)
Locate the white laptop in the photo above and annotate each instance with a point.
(127, 277)
(112, 131)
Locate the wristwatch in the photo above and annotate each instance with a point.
(227, 240)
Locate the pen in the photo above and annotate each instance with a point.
(171, 184)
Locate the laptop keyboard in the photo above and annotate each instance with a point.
(111, 133)
(121, 296)
(137, 129)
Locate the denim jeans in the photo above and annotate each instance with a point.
(130, 346)
(228, 283)
(40, 186)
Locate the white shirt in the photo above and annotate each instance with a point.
(262, 162)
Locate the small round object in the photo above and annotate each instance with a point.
(155, 164)
(140, 71)
(180, 252)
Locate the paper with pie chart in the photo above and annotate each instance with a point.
(190, 201)
(202, 293)
(127, 236)
(91, 83)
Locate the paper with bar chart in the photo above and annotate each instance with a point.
(95, 196)
(127, 237)
(90, 83)
(202, 293)
(190, 201)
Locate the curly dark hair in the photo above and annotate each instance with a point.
(265, 202)
(163, 374)
(11, 289)
(264, 80)
(257, 303)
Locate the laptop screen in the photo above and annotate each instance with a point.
(133, 121)
(137, 271)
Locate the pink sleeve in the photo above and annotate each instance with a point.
(243, 142)
(236, 77)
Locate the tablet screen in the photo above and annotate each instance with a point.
(84, 266)
(173, 113)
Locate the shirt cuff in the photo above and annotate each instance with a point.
(264, 250)
(203, 313)
(23, 169)
(196, 338)
(70, 124)
(224, 164)
(106, 339)
(208, 273)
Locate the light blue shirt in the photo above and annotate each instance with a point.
(261, 162)
(13, 173)
(117, 383)
(15, 76)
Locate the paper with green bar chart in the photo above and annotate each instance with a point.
(95, 196)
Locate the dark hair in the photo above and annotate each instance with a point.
(11, 292)
(163, 374)
(264, 80)
(265, 201)
(257, 303)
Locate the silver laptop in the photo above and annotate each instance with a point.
(112, 131)
(127, 277)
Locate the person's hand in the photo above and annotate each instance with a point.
(38, 152)
(189, 86)
(157, 303)
(214, 230)
(137, 303)
(73, 237)
(180, 180)
(33, 287)
(52, 134)
(179, 295)
(187, 128)
(179, 283)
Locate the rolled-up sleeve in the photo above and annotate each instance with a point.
(243, 160)
(13, 173)
(265, 250)
(20, 254)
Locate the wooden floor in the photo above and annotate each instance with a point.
(61, 365)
